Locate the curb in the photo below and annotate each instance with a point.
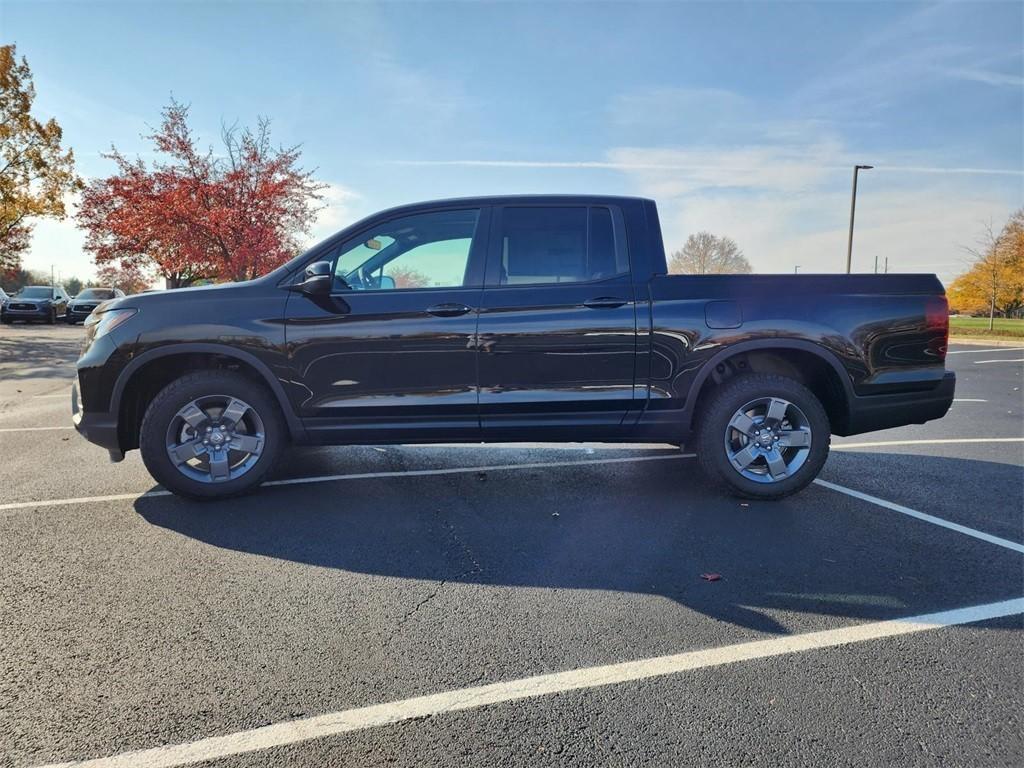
(1000, 342)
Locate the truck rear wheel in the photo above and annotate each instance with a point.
(763, 436)
(211, 434)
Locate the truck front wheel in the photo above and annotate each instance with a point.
(211, 434)
(763, 436)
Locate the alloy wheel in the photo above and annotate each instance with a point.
(215, 438)
(768, 439)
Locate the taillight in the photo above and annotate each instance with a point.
(936, 315)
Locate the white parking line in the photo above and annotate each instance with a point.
(375, 716)
(983, 351)
(972, 532)
(1008, 360)
(969, 400)
(32, 429)
(355, 476)
(935, 441)
(61, 394)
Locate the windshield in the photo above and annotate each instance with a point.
(96, 294)
(36, 292)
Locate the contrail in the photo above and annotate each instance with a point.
(618, 166)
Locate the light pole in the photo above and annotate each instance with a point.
(853, 208)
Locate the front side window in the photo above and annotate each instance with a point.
(558, 245)
(427, 250)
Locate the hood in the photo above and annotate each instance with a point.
(176, 295)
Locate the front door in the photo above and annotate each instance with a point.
(391, 353)
(557, 329)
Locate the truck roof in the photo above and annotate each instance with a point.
(561, 199)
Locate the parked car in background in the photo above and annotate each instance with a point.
(87, 300)
(510, 319)
(41, 303)
(3, 302)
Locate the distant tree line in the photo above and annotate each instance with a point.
(15, 280)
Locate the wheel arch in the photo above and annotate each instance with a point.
(153, 369)
(811, 364)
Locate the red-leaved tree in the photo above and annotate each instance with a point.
(130, 276)
(198, 215)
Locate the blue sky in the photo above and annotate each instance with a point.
(740, 118)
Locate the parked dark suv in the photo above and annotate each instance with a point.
(85, 302)
(514, 318)
(39, 303)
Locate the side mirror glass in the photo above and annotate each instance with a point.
(387, 283)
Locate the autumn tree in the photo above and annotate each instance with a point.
(130, 276)
(994, 283)
(196, 214)
(406, 277)
(36, 172)
(708, 254)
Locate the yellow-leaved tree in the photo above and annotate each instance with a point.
(35, 171)
(994, 284)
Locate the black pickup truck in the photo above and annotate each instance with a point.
(547, 318)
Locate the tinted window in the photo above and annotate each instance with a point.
(429, 250)
(558, 245)
(96, 294)
(36, 292)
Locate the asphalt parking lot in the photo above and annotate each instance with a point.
(513, 605)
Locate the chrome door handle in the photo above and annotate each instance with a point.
(448, 310)
(605, 302)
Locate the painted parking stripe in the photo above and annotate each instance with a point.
(376, 716)
(984, 351)
(355, 476)
(1007, 360)
(972, 532)
(33, 429)
(934, 441)
(969, 400)
(457, 470)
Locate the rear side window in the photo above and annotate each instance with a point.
(559, 245)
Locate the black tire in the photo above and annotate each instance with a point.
(52, 318)
(171, 399)
(714, 424)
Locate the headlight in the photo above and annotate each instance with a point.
(101, 323)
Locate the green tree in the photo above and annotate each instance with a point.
(36, 172)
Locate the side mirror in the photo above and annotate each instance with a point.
(317, 279)
(387, 283)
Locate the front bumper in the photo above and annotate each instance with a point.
(75, 315)
(39, 313)
(869, 413)
(99, 428)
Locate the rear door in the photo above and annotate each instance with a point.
(557, 328)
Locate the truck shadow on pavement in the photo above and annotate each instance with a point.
(651, 528)
(23, 357)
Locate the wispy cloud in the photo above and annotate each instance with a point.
(986, 76)
(339, 211)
